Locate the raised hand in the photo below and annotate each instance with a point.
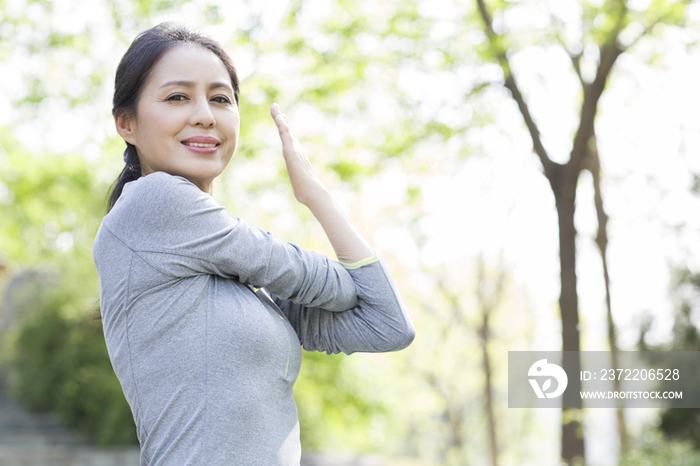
(347, 242)
(305, 183)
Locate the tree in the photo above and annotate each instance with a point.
(602, 26)
(681, 423)
(592, 164)
(459, 341)
(488, 305)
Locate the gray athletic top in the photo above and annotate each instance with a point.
(206, 358)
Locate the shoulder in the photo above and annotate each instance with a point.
(157, 200)
(158, 185)
(159, 192)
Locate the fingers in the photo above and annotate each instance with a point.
(282, 124)
(277, 115)
(291, 148)
(305, 184)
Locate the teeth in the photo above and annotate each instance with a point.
(196, 144)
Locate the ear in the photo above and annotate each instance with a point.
(125, 127)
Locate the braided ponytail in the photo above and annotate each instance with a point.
(131, 172)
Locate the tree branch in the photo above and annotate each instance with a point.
(647, 30)
(591, 95)
(576, 62)
(592, 164)
(549, 166)
(575, 57)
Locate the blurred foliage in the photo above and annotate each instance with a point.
(682, 423)
(329, 401)
(686, 291)
(51, 207)
(60, 364)
(353, 74)
(651, 449)
(55, 356)
(43, 197)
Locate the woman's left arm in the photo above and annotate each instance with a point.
(349, 246)
(379, 322)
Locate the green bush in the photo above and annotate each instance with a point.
(335, 412)
(61, 364)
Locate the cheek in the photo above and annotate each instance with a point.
(158, 120)
(231, 126)
(146, 127)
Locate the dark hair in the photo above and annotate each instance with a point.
(133, 72)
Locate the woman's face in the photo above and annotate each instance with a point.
(187, 120)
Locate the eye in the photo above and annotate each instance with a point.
(221, 99)
(177, 98)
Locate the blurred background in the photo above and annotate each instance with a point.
(421, 116)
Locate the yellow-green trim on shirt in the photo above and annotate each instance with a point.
(360, 263)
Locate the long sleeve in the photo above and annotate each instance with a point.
(183, 232)
(207, 365)
(378, 323)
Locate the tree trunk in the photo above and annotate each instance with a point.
(563, 180)
(488, 390)
(487, 304)
(564, 188)
(593, 165)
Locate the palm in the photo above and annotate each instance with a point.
(304, 181)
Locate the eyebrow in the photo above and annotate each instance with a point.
(215, 85)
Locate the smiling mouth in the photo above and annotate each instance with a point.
(197, 144)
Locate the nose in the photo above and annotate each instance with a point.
(202, 114)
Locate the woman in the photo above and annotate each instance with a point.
(206, 357)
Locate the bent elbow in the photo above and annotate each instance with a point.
(407, 337)
(398, 339)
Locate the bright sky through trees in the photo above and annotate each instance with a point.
(648, 127)
(497, 201)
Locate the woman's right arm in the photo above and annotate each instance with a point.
(182, 232)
